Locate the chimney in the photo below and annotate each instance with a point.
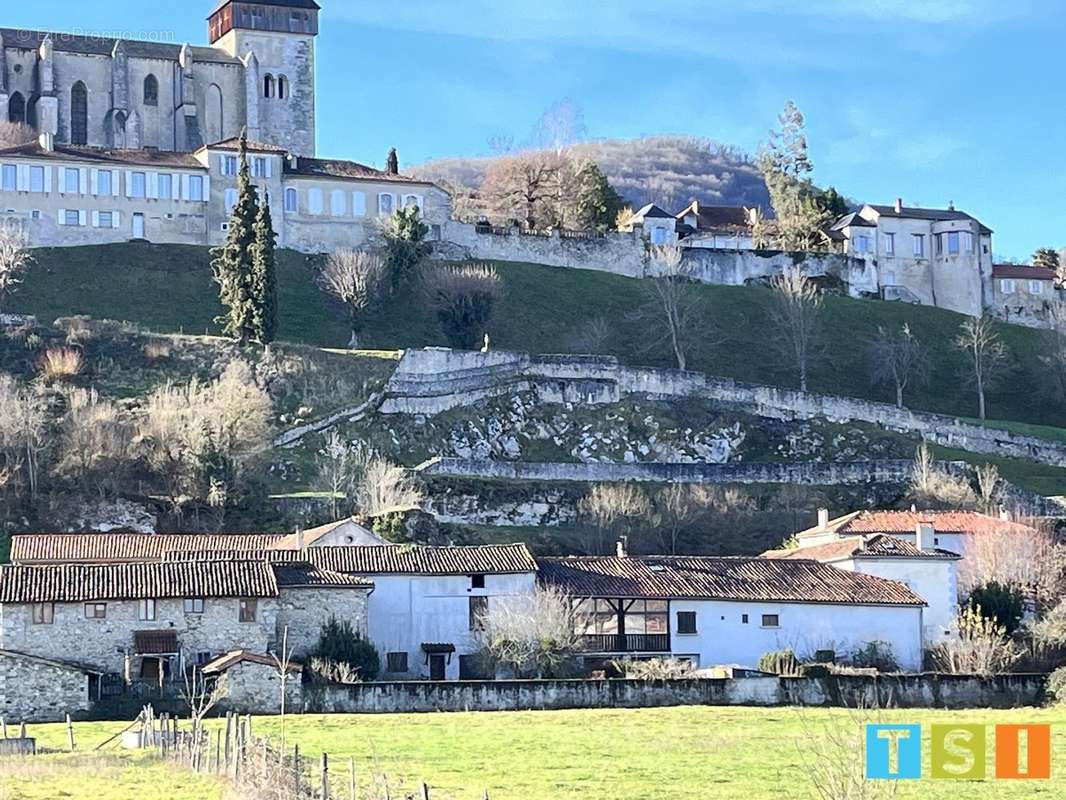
(899, 205)
(823, 519)
(926, 537)
(621, 548)
(951, 205)
(300, 539)
(47, 142)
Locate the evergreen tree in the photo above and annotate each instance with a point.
(1046, 257)
(264, 282)
(405, 244)
(232, 264)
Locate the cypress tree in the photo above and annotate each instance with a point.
(264, 283)
(232, 264)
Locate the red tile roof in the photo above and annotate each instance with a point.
(32, 548)
(877, 546)
(74, 583)
(719, 578)
(1024, 273)
(907, 522)
(336, 168)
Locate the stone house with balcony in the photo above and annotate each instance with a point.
(935, 257)
(718, 610)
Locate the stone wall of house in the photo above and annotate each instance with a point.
(102, 643)
(253, 688)
(434, 380)
(34, 691)
(305, 610)
(884, 691)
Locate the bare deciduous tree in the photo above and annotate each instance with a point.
(282, 666)
(1026, 556)
(932, 486)
(535, 634)
(676, 507)
(385, 487)
(616, 508)
(202, 695)
(463, 299)
(898, 359)
(988, 488)
(356, 278)
(525, 187)
(561, 124)
(1053, 348)
(23, 431)
(340, 467)
(94, 442)
(672, 294)
(985, 353)
(796, 313)
(15, 259)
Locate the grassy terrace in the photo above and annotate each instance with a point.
(654, 754)
(169, 289)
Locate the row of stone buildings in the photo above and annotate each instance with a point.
(86, 615)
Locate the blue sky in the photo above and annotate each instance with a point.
(931, 100)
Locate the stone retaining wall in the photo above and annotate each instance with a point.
(852, 691)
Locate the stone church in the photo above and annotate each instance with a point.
(258, 72)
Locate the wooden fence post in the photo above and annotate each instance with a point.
(70, 733)
(3, 727)
(324, 769)
(297, 769)
(22, 730)
(351, 779)
(425, 792)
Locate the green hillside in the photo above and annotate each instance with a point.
(169, 288)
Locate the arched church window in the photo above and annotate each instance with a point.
(283, 87)
(79, 114)
(268, 86)
(16, 108)
(151, 91)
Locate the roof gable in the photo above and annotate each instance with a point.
(878, 545)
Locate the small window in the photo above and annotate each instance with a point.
(71, 180)
(146, 610)
(479, 606)
(105, 219)
(1006, 286)
(229, 165)
(359, 204)
(140, 182)
(196, 188)
(231, 200)
(385, 205)
(96, 611)
(1036, 287)
(771, 621)
(283, 87)
(9, 179)
(967, 241)
(193, 605)
(259, 167)
(202, 657)
(337, 206)
(314, 201)
(103, 182)
(953, 243)
(477, 581)
(918, 243)
(743, 619)
(889, 240)
(292, 201)
(686, 622)
(862, 244)
(268, 86)
(151, 91)
(71, 217)
(36, 179)
(166, 187)
(396, 662)
(248, 610)
(44, 613)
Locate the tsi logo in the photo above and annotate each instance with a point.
(958, 752)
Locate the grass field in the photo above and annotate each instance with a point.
(654, 754)
(545, 309)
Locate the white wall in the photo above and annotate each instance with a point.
(935, 581)
(407, 610)
(722, 637)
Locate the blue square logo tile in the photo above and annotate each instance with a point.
(893, 752)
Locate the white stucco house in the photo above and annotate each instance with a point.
(715, 610)
(716, 227)
(935, 257)
(659, 227)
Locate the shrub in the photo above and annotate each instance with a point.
(1002, 603)
(1056, 687)
(155, 350)
(653, 669)
(463, 299)
(875, 655)
(340, 644)
(780, 662)
(60, 363)
(981, 648)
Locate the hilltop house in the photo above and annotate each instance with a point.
(717, 227)
(936, 257)
(1023, 295)
(659, 227)
(716, 610)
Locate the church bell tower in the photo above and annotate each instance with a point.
(275, 40)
